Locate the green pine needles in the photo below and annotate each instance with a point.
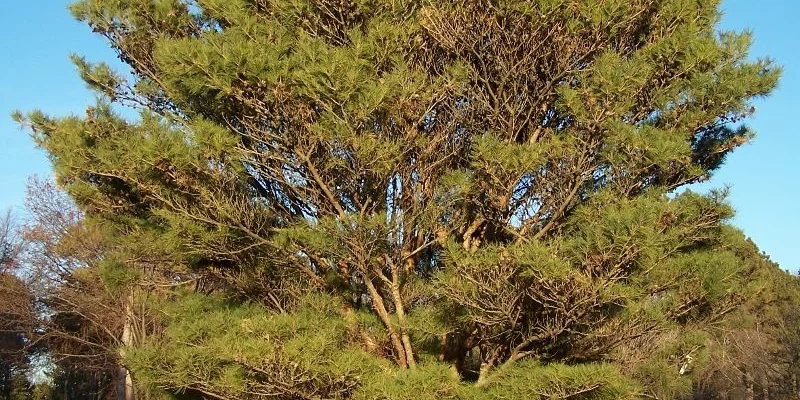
(414, 199)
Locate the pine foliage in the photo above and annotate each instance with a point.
(415, 199)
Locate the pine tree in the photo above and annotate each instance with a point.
(756, 348)
(413, 199)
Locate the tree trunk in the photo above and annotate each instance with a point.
(748, 383)
(125, 389)
(124, 384)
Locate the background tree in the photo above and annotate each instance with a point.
(414, 199)
(80, 316)
(16, 314)
(754, 353)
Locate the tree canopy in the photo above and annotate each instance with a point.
(376, 199)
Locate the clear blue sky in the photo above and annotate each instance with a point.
(765, 176)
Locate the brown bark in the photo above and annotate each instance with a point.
(380, 309)
(125, 388)
(749, 389)
(401, 316)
